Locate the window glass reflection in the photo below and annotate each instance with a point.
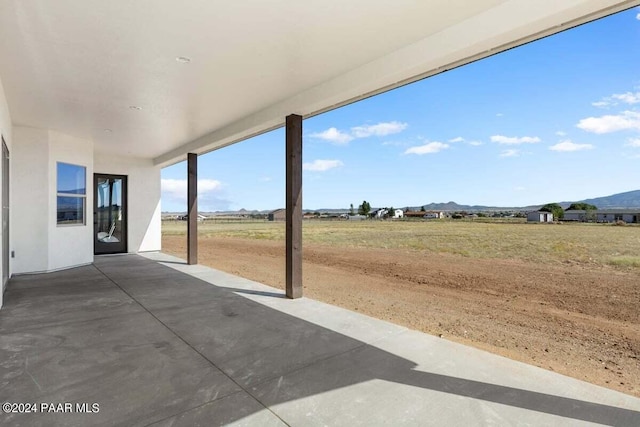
(70, 210)
(71, 194)
(108, 220)
(71, 179)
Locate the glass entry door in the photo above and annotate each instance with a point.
(110, 214)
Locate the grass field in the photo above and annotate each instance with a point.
(568, 243)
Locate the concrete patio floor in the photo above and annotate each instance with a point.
(156, 342)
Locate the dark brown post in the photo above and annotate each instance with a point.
(192, 208)
(294, 206)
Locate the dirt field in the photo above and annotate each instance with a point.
(576, 315)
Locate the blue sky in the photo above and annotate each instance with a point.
(555, 120)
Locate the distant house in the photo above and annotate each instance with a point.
(413, 214)
(539, 216)
(425, 214)
(379, 214)
(277, 215)
(433, 215)
(186, 217)
(575, 215)
(356, 217)
(613, 215)
(384, 213)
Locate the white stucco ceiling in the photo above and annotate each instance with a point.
(78, 66)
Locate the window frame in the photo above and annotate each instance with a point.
(81, 196)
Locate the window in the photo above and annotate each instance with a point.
(72, 193)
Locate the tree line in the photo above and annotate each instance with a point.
(558, 211)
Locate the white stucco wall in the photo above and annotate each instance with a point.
(5, 118)
(39, 243)
(143, 213)
(30, 200)
(6, 133)
(70, 245)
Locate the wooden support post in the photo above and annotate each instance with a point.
(192, 208)
(294, 206)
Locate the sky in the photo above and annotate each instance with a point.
(554, 120)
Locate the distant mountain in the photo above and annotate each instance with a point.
(453, 206)
(630, 199)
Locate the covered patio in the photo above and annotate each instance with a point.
(96, 97)
(154, 341)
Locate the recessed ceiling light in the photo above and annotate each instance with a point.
(107, 130)
(183, 59)
(135, 107)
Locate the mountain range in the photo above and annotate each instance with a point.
(626, 200)
(630, 199)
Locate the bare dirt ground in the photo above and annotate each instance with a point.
(575, 320)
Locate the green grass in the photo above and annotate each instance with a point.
(626, 261)
(592, 244)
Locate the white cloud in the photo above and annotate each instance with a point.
(380, 129)
(627, 120)
(177, 188)
(561, 133)
(461, 139)
(568, 146)
(321, 165)
(265, 179)
(519, 188)
(510, 153)
(629, 98)
(210, 192)
(333, 135)
(499, 114)
(514, 140)
(633, 142)
(429, 148)
(208, 185)
(638, 17)
(395, 143)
